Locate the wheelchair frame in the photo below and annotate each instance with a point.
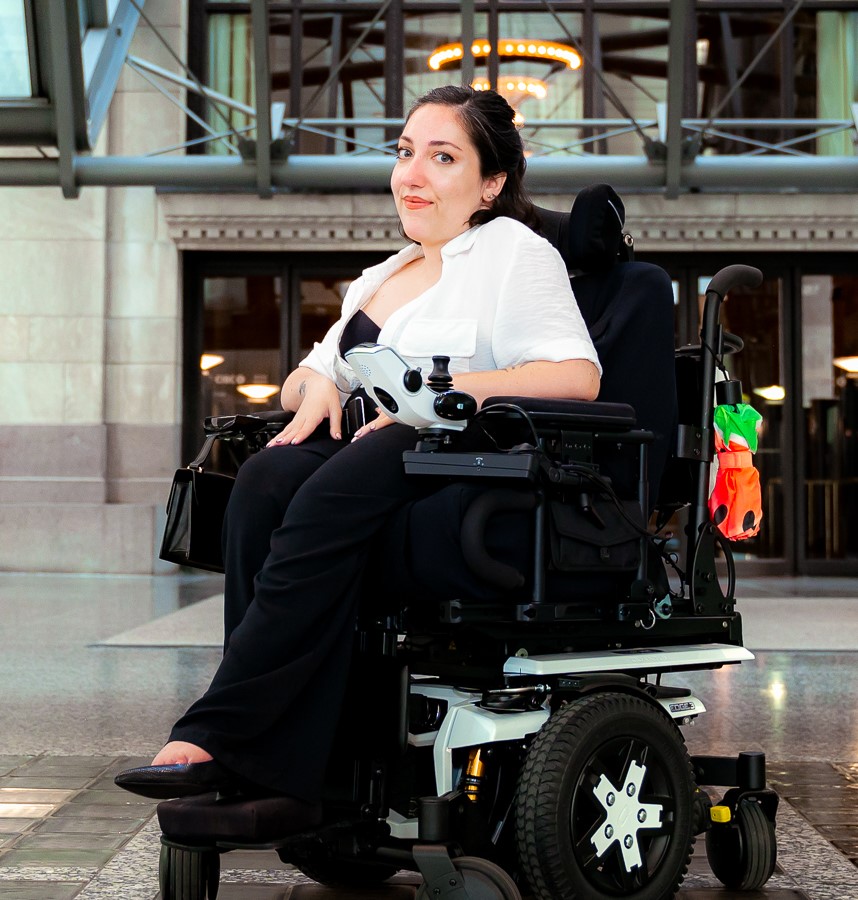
(491, 742)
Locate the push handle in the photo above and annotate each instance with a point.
(732, 277)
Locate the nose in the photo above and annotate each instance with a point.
(415, 173)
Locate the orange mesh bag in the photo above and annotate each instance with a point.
(735, 503)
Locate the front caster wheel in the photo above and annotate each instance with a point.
(188, 873)
(344, 872)
(742, 854)
(604, 803)
(482, 879)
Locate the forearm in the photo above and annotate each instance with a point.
(572, 379)
(295, 387)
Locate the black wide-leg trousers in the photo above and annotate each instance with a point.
(299, 525)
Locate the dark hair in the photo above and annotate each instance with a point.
(489, 121)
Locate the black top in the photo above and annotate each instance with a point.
(360, 329)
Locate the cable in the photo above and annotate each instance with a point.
(511, 407)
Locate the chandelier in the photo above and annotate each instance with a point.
(513, 48)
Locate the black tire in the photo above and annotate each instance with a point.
(742, 855)
(565, 848)
(188, 874)
(344, 872)
(482, 879)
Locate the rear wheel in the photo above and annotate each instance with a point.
(604, 803)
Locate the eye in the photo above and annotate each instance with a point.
(403, 153)
(443, 157)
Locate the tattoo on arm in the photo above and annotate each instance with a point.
(302, 388)
(518, 366)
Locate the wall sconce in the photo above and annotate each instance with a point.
(209, 361)
(774, 393)
(257, 393)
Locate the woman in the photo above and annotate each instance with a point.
(476, 284)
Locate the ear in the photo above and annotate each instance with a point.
(494, 184)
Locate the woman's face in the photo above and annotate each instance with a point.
(436, 181)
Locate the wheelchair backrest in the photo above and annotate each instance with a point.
(628, 308)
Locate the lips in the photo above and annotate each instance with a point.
(415, 203)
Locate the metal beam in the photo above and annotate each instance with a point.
(262, 79)
(104, 72)
(679, 10)
(468, 36)
(358, 173)
(66, 87)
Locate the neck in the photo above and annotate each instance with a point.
(432, 252)
(432, 256)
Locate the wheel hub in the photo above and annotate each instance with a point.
(625, 816)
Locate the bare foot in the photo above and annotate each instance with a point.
(180, 752)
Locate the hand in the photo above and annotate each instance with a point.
(382, 421)
(321, 400)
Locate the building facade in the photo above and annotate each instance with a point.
(131, 312)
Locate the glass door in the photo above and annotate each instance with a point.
(757, 316)
(250, 318)
(829, 361)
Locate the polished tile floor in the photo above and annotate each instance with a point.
(77, 704)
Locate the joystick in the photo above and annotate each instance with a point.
(440, 380)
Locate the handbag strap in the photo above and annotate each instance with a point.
(203, 455)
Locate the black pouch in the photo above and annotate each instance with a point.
(195, 511)
(598, 541)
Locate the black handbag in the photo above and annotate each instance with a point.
(195, 511)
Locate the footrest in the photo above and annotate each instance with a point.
(210, 818)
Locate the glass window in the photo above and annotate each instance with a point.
(15, 70)
(837, 77)
(741, 63)
(230, 72)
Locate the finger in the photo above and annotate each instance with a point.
(278, 438)
(335, 414)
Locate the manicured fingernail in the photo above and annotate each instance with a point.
(338, 436)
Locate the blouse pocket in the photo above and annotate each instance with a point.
(439, 337)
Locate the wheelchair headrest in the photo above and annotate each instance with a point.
(590, 237)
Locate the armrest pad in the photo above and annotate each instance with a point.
(244, 424)
(573, 412)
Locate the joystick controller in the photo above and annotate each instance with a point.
(399, 390)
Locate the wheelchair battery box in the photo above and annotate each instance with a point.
(471, 465)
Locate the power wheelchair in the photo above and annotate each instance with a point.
(507, 731)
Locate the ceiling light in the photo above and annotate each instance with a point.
(257, 393)
(847, 363)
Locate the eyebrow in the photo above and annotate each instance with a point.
(404, 137)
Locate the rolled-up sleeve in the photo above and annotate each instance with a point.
(537, 316)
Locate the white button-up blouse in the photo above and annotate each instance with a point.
(503, 299)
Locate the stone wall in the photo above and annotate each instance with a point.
(89, 349)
